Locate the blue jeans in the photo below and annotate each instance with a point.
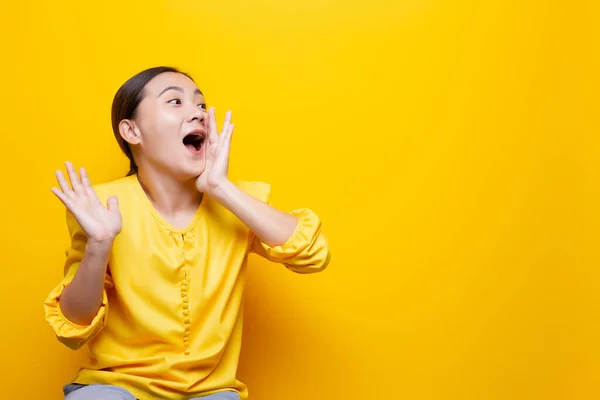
(75, 391)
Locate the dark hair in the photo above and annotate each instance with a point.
(126, 101)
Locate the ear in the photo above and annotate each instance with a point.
(129, 131)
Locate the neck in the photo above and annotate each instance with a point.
(169, 195)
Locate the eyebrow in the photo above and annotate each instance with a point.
(177, 88)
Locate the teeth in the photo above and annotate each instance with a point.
(194, 139)
(193, 136)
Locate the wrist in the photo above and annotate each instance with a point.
(99, 247)
(223, 191)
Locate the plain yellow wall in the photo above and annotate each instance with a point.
(451, 148)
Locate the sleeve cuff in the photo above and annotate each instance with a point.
(68, 332)
(307, 228)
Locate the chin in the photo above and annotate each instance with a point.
(186, 170)
(197, 169)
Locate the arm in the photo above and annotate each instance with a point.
(75, 315)
(270, 225)
(294, 239)
(81, 299)
(76, 308)
(305, 252)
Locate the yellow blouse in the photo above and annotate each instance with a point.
(170, 323)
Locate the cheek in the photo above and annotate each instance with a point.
(161, 127)
(166, 121)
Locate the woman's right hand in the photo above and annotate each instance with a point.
(100, 224)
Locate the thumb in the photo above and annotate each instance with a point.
(112, 203)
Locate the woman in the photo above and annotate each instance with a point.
(153, 280)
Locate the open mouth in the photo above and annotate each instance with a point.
(193, 141)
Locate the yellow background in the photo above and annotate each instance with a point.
(451, 148)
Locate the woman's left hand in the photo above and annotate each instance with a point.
(217, 155)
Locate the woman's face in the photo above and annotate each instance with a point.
(171, 122)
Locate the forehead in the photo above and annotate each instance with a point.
(167, 79)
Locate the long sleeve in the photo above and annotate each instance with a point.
(305, 252)
(73, 335)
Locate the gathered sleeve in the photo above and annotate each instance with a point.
(305, 252)
(69, 333)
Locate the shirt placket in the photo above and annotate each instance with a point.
(185, 243)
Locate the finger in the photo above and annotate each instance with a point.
(227, 139)
(212, 126)
(226, 123)
(112, 203)
(70, 204)
(87, 186)
(64, 185)
(75, 182)
(66, 200)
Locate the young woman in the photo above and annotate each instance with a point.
(154, 275)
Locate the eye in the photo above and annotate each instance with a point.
(174, 101)
(202, 106)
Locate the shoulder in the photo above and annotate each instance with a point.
(260, 190)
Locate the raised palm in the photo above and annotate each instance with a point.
(99, 223)
(217, 154)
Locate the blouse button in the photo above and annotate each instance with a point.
(186, 321)
(185, 305)
(185, 312)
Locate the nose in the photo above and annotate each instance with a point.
(198, 115)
